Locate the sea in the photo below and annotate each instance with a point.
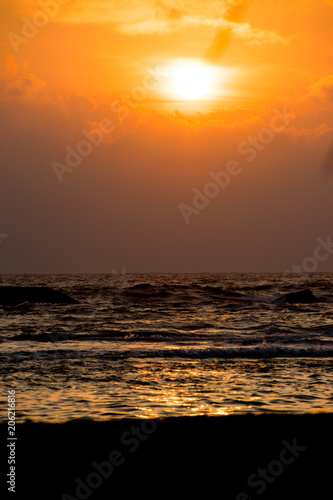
(159, 345)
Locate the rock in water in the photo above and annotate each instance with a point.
(302, 297)
(14, 295)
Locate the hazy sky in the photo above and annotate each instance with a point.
(111, 157)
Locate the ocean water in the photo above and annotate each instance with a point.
(155, 345)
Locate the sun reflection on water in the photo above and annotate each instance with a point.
(142, 389)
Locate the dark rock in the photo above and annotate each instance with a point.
(13, 295)
(302, 297)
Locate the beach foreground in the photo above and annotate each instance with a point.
(234, 457)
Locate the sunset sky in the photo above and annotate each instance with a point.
(165, 135)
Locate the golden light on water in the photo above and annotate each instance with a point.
(174, 386)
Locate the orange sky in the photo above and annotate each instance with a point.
(71, 68)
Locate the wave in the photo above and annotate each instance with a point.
(259, 293)
(145, 290)
(191, 333)
(258, 352)
(255, 352)
(198, 293)
(182, 292)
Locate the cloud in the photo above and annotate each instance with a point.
(322, 89)
(170, 11)
(251, 37)
(126, 195)
(311, 134)
(177, 21)
(155, 16)
(256, 36)
(128, 191)
(79, 107)
(19, 83)
(18, 86)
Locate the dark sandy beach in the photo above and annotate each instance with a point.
(234, 457)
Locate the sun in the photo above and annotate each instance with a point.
(192, 81)
(195, 85)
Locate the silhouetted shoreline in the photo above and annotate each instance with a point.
(223, 456)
